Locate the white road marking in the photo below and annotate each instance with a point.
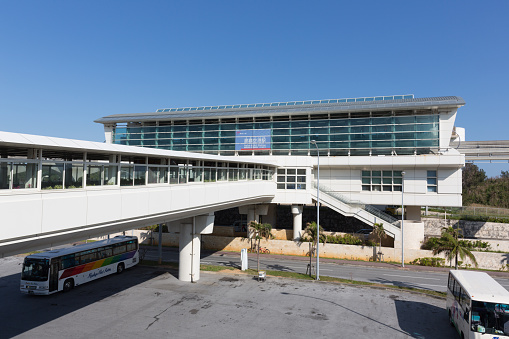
(407, 276)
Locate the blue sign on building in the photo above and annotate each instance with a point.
(252, 139)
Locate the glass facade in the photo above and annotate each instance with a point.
(336, 134)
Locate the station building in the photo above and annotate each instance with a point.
(370, 152)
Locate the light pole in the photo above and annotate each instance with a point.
(402, 219)
(317, 211)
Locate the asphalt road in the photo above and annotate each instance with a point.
(148, 302)
(436, 281)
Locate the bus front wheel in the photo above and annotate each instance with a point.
(68, 285)
(120, 268)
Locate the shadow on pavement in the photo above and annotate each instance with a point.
(423, 320)
(402, 284)
(21, 313)
(415, 319)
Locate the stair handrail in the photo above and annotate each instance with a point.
(356, 203)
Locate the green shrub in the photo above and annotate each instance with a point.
(473, 245)
(347, 239)
(432, 262)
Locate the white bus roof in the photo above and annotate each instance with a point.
(78, 248)
(482, 287)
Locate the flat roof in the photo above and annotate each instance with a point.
(481, 286)
(304, 107)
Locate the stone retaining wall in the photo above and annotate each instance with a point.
(486, 260)
(471, 229)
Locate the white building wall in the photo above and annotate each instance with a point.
(343, 175)
(446, 126)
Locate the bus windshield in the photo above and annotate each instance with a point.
(490, 318)
(35, 269)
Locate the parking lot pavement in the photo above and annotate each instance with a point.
(151, 303)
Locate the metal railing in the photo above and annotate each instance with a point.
(471, 211)
(356, 203)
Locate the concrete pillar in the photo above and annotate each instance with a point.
(253, 213)
(186, 254)
(413, 213)
(297, 221)
(190, 245)
(414, 234)
(160, 245)
(271, 215)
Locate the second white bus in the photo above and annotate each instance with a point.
(477, 305)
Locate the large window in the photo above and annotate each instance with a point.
(157, 174)
(73, 175)
(291, 178)
(24, 175)
(52, 176)
(432, 181)
(382, 181)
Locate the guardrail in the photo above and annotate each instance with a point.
(470, 211)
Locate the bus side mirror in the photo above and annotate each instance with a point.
(466, 315)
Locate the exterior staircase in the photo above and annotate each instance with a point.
(357, 209)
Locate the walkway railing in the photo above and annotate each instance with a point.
(356, 203)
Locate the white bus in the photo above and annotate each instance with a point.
(62, 269)
(477, 305)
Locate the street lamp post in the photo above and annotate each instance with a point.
(317, 211)
(402, 219)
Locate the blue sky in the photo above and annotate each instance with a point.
(64, 64)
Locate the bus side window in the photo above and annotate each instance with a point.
(464, 299)
(456, 291)
(119, 249)
(67, 261)
(106, 252)
(88, 256)
(131, 246)
(451, 282)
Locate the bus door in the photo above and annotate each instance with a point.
(53, 276)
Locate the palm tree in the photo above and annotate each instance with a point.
(379, 231)
(452, 247)
(311, 236)
(260, 231)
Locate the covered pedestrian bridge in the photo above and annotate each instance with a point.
(55, 191)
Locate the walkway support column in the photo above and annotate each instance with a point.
(253, 214)
(413, 213)
(160, 245)
(297, 221)
(186, 252)
(190, 245)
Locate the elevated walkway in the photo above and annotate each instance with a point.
(56, 191)
(358, 210)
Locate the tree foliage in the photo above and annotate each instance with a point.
(260, 231)
(310, 234)
(478, 189)
(379, 231)
(450, 244)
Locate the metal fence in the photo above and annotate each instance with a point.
(471, 211)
